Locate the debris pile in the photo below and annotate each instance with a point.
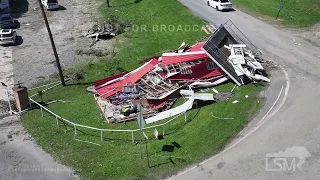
(106, 30)
(161, 80)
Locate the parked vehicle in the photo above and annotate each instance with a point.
(50, 4)
(220, 5)
(4, 5)
(7, 36)
(6, 21)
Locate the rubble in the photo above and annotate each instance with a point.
(106, 30)
(161, 80)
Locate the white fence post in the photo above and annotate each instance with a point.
(41, 111)
(57, 121)
(163, 129)
(75, 131)
(132, 137)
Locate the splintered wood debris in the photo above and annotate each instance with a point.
(157, 83)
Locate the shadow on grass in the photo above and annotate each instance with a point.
(18, 7)
(79, 84)
(127, 4)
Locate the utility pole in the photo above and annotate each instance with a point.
(52, 44)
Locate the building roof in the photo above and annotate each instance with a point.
(196, 47)
(105, 80)
(129, 79)
(175, 58)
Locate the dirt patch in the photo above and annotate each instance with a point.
(34, 57)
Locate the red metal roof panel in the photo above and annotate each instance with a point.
(102, 81)
(196, 47)
(179, 58)
(116, 87)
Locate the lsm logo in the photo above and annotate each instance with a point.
(289, 160)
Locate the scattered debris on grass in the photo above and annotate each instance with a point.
(234, 102)
(219, 117)
(222, 96)
(106, 30)
(59, 101)
(156, 84)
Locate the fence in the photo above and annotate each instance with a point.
(75, 125)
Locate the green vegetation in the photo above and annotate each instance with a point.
(202, 136)
(297, 13)
(116, 158)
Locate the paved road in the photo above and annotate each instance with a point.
(21, 158)
(296, 124)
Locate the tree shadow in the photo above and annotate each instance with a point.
(127, 4)
(79, 84)
(18, 7)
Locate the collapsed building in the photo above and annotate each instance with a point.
(161, 80)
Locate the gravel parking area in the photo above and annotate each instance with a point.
(34, 59)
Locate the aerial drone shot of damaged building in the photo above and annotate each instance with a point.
(158, 89)
(161, 80)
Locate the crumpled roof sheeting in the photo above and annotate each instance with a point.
(131, 79)
(196, 47)
(175, 58)
(180, 109)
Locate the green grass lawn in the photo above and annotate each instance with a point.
(296, 13)
(116, 158)
(202, 136)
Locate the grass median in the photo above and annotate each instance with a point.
(116, 157)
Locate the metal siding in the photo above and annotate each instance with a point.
(211, 47)
(166, 60)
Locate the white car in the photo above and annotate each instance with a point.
(7, 36)
(220, 5)
(50, 4)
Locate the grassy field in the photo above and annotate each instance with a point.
(116, 158)
(296, 13)
(203, 135)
